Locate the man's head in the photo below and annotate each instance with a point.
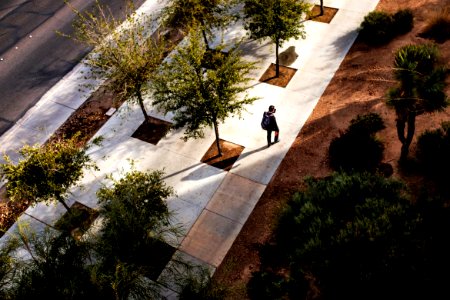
(272, 108)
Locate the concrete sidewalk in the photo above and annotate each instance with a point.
(211, 204)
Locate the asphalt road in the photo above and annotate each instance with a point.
(32, 56)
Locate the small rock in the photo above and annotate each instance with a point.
(110, 112)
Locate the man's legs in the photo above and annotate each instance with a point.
(276, 136)
(269, 137)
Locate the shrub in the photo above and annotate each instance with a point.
(376, 28)
(403, 21)
(351, 232)
(369, 123)
(358, 148)
(380, 27)
(433, 148)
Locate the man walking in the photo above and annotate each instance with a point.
(271, 125)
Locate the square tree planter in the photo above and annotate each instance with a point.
(230, 153)
(328, 14)
(286, 74)
(78, 220)
(152, 132)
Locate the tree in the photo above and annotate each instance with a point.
(280, 20)
(420, 89)
(52, 265)
(136, 222)
(46, 172)
(198, 96)
(207, 14)
(126, 55)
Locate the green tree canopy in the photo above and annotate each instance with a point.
(206, 14)
(198, 96)
(46, 172)
(131, 241)
(125, 53)
(279, 20)
(420, 89)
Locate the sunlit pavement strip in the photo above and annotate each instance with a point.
(211, 204)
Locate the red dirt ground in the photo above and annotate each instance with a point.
(359, 86)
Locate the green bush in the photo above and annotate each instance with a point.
(367, 124)
(358, 148)
(351, 233)
(376, 28)
(433, 148)
(403, 21)
(380, 27)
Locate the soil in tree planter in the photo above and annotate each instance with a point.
(328, 14)
(78, 220)
(153, 131)
(230, 153)
(286, 74)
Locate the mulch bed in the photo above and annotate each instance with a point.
(152, 131)
(89, 117)
(9, 210)
(286, 74)
(328, 14)
(230, 153)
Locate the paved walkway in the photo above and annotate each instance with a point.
(211, 204)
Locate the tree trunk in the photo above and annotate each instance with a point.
(411, 123)
(204, 34)
(216, 131)
(400, 124)
(61, 200)
(321, 7)
(277, 60)
(141, 104)
(205, 39)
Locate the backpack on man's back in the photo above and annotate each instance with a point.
(265, 122)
